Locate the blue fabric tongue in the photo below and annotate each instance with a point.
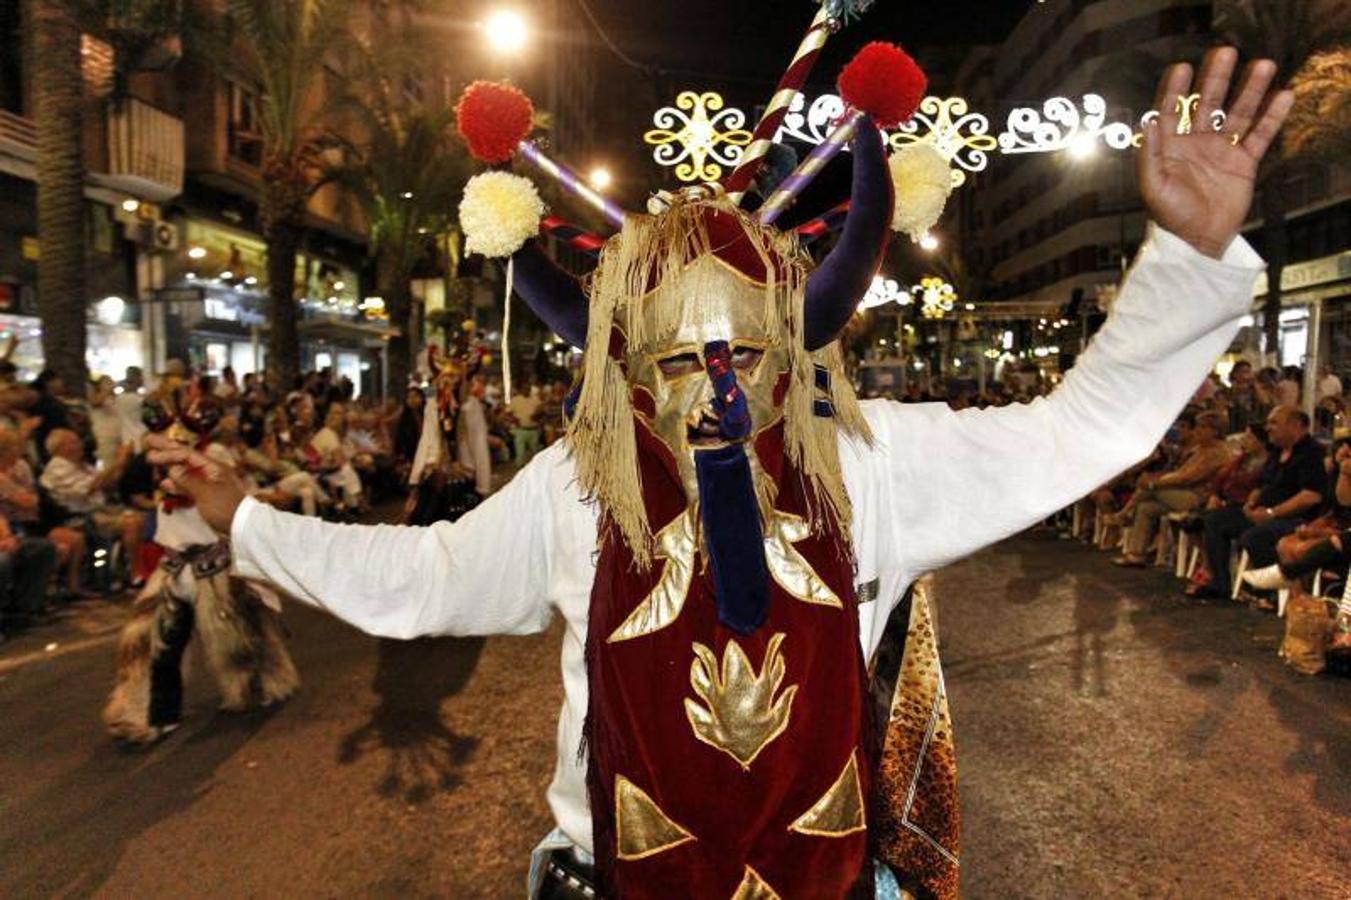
(736, 549)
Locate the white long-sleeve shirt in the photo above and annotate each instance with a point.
(473, 444)
(935, 486)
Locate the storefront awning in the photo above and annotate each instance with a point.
(363, 334)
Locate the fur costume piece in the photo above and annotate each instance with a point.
(240, 635)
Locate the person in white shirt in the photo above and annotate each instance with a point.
(334, 460)
(78, 488)
(524, 408)
(472, 438)
(1329, 385)
(922, 485)
(129, 405)
(105, 421)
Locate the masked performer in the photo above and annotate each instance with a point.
(192, 592)
(442, 489)
(727, 530)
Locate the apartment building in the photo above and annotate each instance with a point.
(1052, 228)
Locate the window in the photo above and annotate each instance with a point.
(245, 137)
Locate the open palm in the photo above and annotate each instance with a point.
(1200, 185)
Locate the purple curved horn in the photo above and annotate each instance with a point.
(554, 295)
(837, 286)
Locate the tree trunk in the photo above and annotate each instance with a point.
(1278, 252)
(283, 338)
(391, 281)
(282, 210)
(58, 88)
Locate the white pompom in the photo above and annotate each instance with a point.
(499, 213)
(923, 180)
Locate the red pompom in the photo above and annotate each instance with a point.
(493, 119)
(883, 81)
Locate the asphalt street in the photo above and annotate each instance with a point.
(1114, 741)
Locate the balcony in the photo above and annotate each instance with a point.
(145, 151)
(18, 137)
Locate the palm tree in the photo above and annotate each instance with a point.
(407, 171)
(1319, 127)
(281, 47)
(1289, 32)
(407, 176)
(58, 95)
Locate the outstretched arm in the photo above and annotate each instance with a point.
(959, 481)
(487, 573)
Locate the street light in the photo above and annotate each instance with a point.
(600, 178)
(928, 242)
(506, 31)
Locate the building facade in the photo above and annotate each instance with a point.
(1052, 232)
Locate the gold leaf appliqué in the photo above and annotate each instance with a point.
(642, 829)
(742, 710)
(839, 811)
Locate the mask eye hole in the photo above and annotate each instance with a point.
(679, 365)
(746, 358)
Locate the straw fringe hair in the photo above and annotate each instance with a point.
(657, 250)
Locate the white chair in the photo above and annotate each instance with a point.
(1181, 542)
(1238, 575)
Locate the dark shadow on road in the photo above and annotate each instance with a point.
(67, 840)
(412, 680)
(1323, 750)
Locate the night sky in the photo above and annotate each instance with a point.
(741, 48)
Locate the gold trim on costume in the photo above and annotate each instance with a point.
(840, 811)
(675, 544)
(742, 713)
(641, 828)
(753, 887)
(789, 568)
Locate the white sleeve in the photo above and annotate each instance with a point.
(487, 573)
(958, 481)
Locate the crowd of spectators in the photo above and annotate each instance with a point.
(79, 502)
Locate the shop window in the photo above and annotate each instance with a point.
(217, 358)
(245, 136)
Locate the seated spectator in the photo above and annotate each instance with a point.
(265, 476)
(408, 429)
(1289, 493)
(26, 565)
(1181, 489)
(1323, 544)
(332, 462)
(22, 508)
(78, 489)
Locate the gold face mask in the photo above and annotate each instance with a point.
(715, 303)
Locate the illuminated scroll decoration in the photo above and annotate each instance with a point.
(699, 142)
(883, 291)
(814, 125)
(937, 296)
(963, 137)
(1059, 125)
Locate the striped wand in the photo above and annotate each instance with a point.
(573, 183)
(792, 186)
(789, 86)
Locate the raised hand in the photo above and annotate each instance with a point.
(215, 490)
(1200, 185)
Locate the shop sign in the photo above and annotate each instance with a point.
(31, 248)
(221, 310)
(1307, 274)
